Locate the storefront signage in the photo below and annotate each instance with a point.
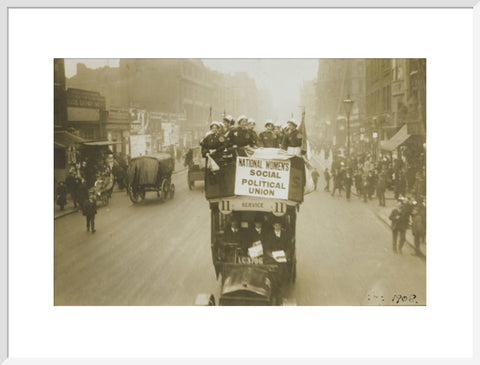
(75, 114)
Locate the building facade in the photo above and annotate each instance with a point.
(177, 86)
(337, 79)
(396, 102)
(86, 113)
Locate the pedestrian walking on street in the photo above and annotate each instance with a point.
(89, 211)
(358, 182)
(381, 186)
(315, 176)
(61, 195)
(348, 185)
(365, 187)
(400, 184)
(337, 183)
(75, 192)
(82, 193)
(370, 184)
(70, 185)
(419, 188)
(400, 220)
(326, 175)
(326, 153)
(418, 226)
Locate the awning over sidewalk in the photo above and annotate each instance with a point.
(398, 139)
(65, 139)
(101, 143)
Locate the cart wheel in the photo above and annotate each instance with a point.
(163, 190)
(172, 191)
(134, 197)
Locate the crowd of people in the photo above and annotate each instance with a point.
(371, 179)
(82, 186)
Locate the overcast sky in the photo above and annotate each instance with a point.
(282, 77)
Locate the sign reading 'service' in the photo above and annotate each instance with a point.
(262, 178)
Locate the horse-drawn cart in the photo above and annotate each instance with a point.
(150, 174)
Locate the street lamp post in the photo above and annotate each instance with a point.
(348, 103)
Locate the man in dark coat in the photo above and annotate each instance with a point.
(370, 184)
(278, 239)
(381, 187)
(89, 211)
(400, 219)
(61, 195)
(235, 234)
(418, 226)
(257, 232)
(82, 192)
(337, 183)
(188, 158)
(268, 138)
(419, 187)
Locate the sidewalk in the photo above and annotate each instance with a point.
(382, 213)
(70, 209)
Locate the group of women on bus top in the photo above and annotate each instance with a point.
(224, 136)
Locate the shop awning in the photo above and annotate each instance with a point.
(65, 139)
(398, 139)
(101, 143)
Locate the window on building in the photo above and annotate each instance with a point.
(88, 133)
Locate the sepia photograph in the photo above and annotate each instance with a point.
(240, 182)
